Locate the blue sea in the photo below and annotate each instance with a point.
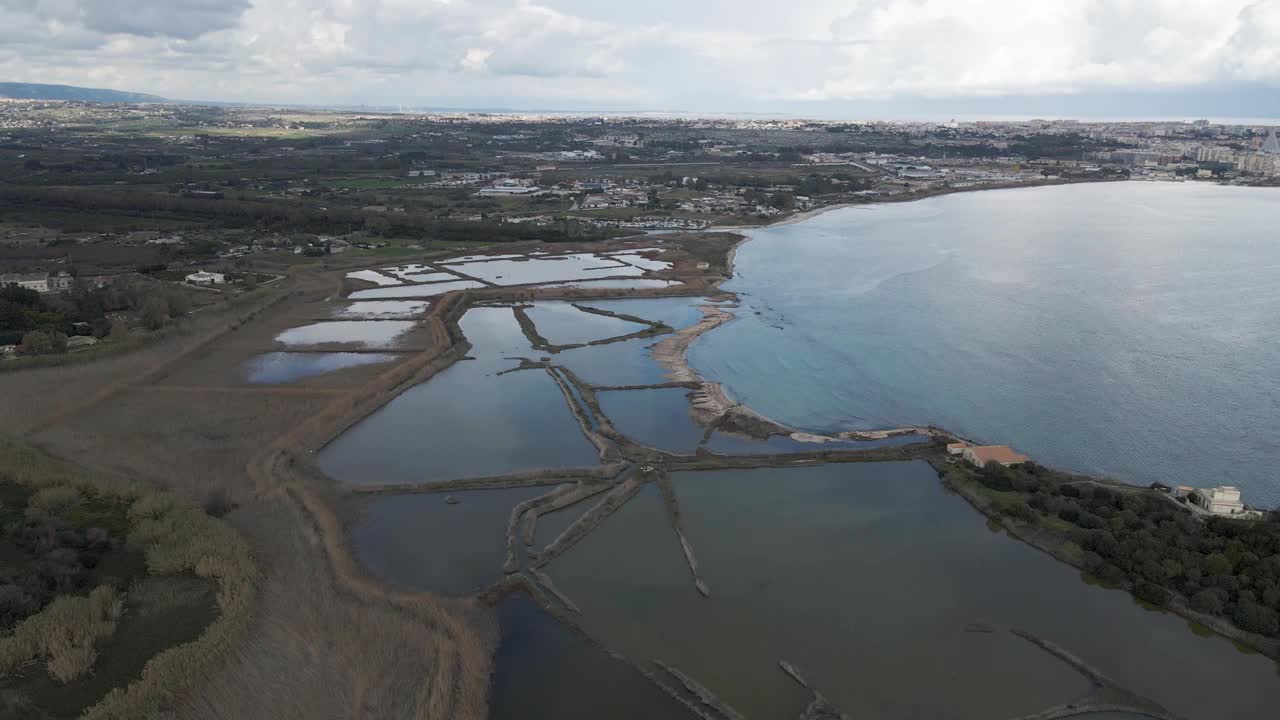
(1130, 330)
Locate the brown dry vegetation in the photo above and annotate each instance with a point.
(63, 634)
(320, 639)
(196, 441)
(177, 537)
(317, 651)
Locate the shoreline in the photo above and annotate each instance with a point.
(1054, 547)
(714, 402)
(289, 466)
(903, 198)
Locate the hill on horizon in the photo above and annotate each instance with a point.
(37, 91)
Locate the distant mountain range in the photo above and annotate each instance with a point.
(35, 91)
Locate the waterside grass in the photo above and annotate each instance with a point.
(177, 536)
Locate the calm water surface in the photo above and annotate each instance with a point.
(675, 312)
(1123, 329)
(563, 324)
(367, 333)
(616, 364)
(865, 576)
(658, 418)
(423, 542)
(584, 266)
(468, 420)
(286, 367)
(408, 291)
(542, 671)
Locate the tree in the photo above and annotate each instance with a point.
(155, 312)
(1152, 593)
(177, 302)
(44, 342)
(1217, 564)
(1253, 617)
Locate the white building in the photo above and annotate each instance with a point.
(1222, 500)
(203, 277)
(509, 187)
(31, 281)
(61, 282)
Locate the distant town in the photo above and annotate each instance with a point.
(223, 198)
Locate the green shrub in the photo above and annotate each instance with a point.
(1021, 512)
(1152, 593)
(1253, 617)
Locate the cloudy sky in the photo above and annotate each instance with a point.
(846, 58)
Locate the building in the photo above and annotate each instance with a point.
(595, 202)
(1222, 500)
(203, 277)
(31, 281)
(61, 282)
(981, 455)
(1257, 164)
(956, 448)
(509, 187)
(1272, 144)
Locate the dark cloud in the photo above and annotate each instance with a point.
(179, 19)
(183, 19)
(709, 55)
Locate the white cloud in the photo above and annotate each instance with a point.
(657, 53)
(475, 58)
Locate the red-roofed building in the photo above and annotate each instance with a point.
(1002, 454)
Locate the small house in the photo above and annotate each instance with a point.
(956, 448)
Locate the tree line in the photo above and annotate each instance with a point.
(41, 323)
(1159, 551)
(286, 216)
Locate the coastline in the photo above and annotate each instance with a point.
(903, 198)
(715, 398)
(289, 467)
(712, 404)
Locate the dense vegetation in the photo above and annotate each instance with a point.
(1140, 540)
(84, 311)
(78, 518)
(57, 541)
(77, 208)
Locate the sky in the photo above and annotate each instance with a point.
(854, 59)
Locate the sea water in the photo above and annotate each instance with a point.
(1122, 329)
